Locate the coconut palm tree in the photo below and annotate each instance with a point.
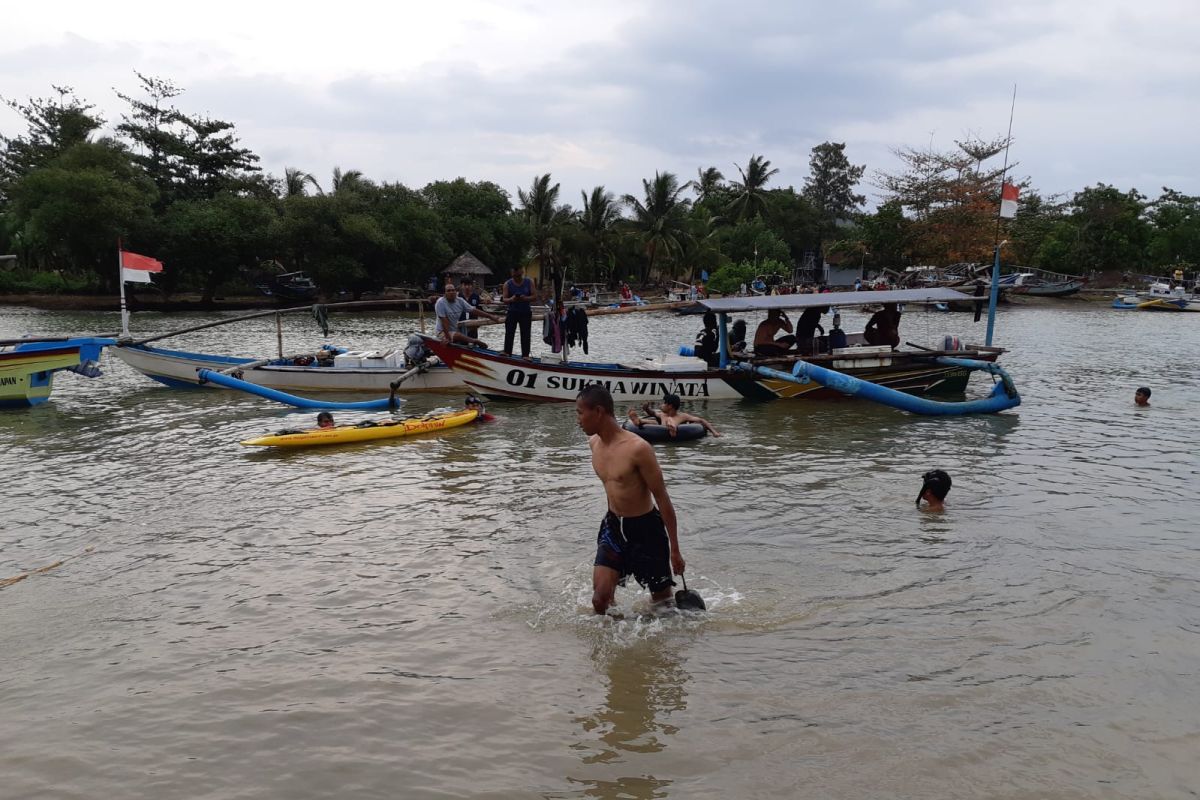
(295, 180)
(597, 219)
(707, 181)
(539, 207)
(659, 217)
(349, 181)
(750, 196)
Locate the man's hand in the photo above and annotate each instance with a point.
(677, 562)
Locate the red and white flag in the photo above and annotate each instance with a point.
(1008, 200)
(137, 269)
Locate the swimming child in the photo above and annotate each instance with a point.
(935, 485)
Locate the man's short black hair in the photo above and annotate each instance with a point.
(1143, 390)
(324, 415)
(937, 482)
(467, 279)
(671, 400)
(596, 396)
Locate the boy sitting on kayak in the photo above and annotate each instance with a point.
(669, 415)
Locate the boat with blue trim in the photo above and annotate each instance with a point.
(28, 366)
(917, 371)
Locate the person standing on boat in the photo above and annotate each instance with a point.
(518, 292)
(470, 293)
(636, 537)
(884, 327)
(450, 311)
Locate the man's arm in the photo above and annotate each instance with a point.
(701, 421)
(651, 473)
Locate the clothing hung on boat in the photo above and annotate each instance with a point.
(576, 327)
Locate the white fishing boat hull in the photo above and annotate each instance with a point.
(179, 369)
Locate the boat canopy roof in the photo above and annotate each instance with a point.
(786, 301)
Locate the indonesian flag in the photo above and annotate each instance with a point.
(137, 269)
(1008, 200)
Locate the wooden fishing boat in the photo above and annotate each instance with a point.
(27, 367)
(335, 370)
(917, 371)
(1050, 289)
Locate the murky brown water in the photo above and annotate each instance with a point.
(410, 619)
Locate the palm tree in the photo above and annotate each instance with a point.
(295, 181)
(546, 218)
(701, 247)
(659, 218)
(597, 219)
(349, 181)
(750, 195)
(707, 181)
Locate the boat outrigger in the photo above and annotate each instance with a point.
(922, 371)
(27, 366)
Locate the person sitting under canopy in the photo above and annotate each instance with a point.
(765, 343)
(884, 327)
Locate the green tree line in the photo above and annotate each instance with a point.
(181, 188)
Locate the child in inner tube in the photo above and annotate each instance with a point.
(669, 415)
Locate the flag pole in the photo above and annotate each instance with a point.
(994, 295)
(121, 283)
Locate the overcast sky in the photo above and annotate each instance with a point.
(609, 92)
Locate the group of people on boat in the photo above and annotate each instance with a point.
(453, 310)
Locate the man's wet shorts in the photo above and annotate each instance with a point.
(636, 546)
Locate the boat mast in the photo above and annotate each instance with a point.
(994, 295)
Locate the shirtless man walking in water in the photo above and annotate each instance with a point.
(636, 538)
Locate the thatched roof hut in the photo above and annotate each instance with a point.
(467, 264)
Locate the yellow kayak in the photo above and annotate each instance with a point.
(345, 434)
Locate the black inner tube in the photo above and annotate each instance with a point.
(653, 432)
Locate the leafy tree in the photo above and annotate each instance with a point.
(1111, 234)
(188, 158)
(729, 278)
(478, 217)
(953, 199)
(830, 186)
(750, 193)
(54, 126)
(1036, 223)
(753, 241)
(795, 221)
(415, 229)
(71, 211)
(658, 218)
(210, 240)
(887, 234)
(1175, 237)
(212, 162)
